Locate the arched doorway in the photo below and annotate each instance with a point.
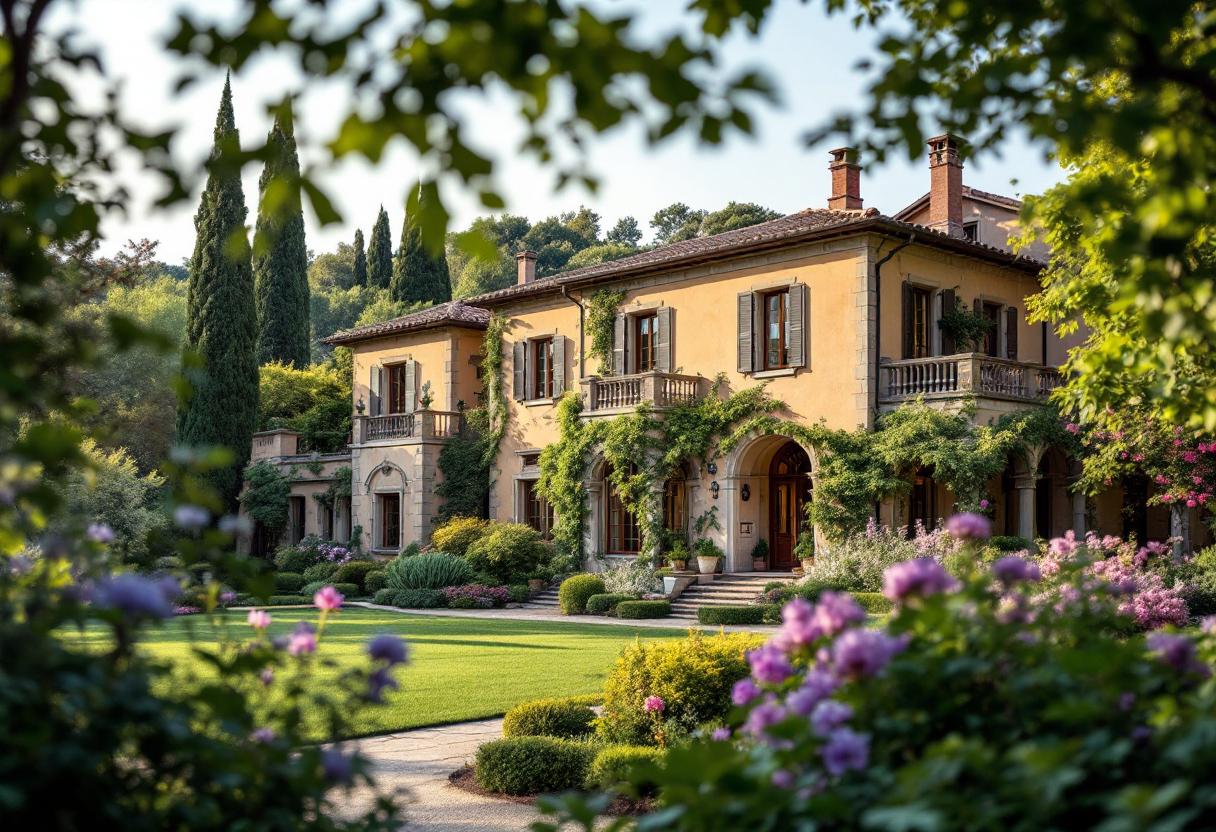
(789, 493)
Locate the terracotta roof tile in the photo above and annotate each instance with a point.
(453, 313)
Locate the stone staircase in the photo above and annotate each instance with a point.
(544, 599)
(730, 590)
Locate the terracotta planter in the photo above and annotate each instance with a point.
(808, 564)
(797, 571)
(707, 566)
(679, 565)
(759, 565)
(536, 584)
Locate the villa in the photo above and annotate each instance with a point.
(835, 308)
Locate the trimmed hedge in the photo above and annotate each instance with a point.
(287, 582)
(375, 581)
(286, 601)
(320, 572)
(874, 603)
(575, 590)
(1011, 543)
(562, 718)
(613, 769)
(411, 599)
(347, 590)
(717, 616)
(606, 603)
(643, 609)
(532, 765)
(356, 572)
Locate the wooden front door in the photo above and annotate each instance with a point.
(789, 491)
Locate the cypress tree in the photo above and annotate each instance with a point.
(360, 259)
(418, 274)
(222, 322)
(280, 264)
(380, 253)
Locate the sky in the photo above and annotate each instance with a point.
(810, 56)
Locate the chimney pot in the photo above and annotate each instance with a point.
(846, 180)
(945, 186)
(526, 263)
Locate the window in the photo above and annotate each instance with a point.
(397, 386)
(390, 521)
(327, 522)
(542, 369)
(537, 512)
(921, 319)
(646, 337)
(295, 515)
(777, 330)
(623, 534)
(531, 460)
(992, 338)
(971, 230)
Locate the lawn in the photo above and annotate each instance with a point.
(460, 668)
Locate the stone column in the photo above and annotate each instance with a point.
(1180, 530)
(1025, 484)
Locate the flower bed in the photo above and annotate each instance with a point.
(476, 596)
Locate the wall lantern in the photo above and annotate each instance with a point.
(745, 493)
(713, 489)
(713, 468)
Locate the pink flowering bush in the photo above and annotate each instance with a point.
(476, 596)
(858, 562)
(958, 714)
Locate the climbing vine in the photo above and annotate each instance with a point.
(657, 444)
(859, 468)
(467, 461)
(601, 323)
(340, 488)
(265, 498)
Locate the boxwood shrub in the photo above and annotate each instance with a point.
(874, 603)
(287, 601)
(613, 769)
(575, 590)
(375, 581)
(717, 616)
(563, 718)
(606, 603)
(348, 590)
(356, 572)
(532, 765)
(520, 594)
(643, 609)
(287, 582)
(320, 572)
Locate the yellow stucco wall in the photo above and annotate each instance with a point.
(443, 360)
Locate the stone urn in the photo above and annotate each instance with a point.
(807, 565)
(707, 565)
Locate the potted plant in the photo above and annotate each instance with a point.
(708, 556)
(805, 550)
(677, 552)
(760, 556)
(427, 398)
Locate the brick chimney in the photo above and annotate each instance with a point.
(945, 186)
(525, 261)
(846, 180)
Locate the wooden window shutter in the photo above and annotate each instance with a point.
(1011, 333)
(373, 404)
(411, 385)
(518, 388)
(907, 301)
(663, 353)
(799, 329)
(747, 354)
(949, 303)
(618, 345)
(559, 365)
(978, 306)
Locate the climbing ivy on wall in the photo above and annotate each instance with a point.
(338, 489)
(467, 461)
(656, 443)
(601, 323)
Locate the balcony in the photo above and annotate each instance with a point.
(619, 393)
(421, 425)
(953, 376)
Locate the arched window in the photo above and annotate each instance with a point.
(623, 536)
(675, 503)
(790, 461)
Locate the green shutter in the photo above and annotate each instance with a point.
(618, 345)
(746, 315)
(666, 318)
(559, 365)
(800, 351)
(373, 404)
(518, 389)
(411, 384)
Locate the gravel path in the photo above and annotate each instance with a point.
(418, 763)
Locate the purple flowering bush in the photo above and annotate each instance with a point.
(476, 596)
(990, 701)
(858, 562)
(311, 551)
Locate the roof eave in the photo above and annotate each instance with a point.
(339, 339)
